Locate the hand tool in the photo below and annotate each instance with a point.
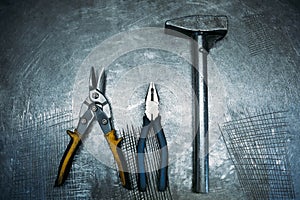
(152, 157)
(152, 119)
(205, 30)
(95, 107)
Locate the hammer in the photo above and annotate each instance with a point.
(205, 30)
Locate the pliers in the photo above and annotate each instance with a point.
(152, 119)
(95, 107)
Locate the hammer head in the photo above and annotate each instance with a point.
(211, 28)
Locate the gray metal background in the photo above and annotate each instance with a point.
(43, 46)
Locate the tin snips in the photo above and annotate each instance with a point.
(95, 107)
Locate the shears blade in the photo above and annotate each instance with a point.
(97, 82)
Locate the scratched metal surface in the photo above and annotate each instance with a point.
(45, 51)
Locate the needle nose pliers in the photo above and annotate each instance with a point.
(95, 107)
(152, 119)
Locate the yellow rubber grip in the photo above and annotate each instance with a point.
(118, 156)
(66, 161)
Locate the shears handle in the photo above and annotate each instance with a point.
(66, 161)
(114, 145)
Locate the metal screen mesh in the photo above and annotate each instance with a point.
(38, 145)
(258, 148)
(260, 39)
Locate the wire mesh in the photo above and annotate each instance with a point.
(257, 146)
(152, 160)
(260, 37)
(38, 143)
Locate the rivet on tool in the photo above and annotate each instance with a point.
(83, 121)
(95, 95)
(94, 108)
(104, 121)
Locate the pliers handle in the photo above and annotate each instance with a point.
(163, 170)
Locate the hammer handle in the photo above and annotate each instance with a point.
(200, 113)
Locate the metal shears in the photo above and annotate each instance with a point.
(95, 107)
(152, 119)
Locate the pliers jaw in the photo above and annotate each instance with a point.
(152, 103)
